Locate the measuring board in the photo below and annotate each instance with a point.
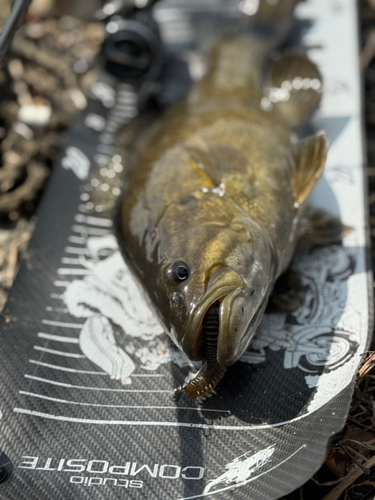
(86, 369)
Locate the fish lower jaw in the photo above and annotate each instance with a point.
(229, 358)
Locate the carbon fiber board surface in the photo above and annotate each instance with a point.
(86, 370)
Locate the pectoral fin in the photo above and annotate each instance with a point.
(322, 228)
(288, 294)
(308, 158)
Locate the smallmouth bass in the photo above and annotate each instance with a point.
(215, 199)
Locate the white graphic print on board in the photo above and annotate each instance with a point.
(325, 328)
(98, 343)
(109, 296)
(242, 468)
(76, 161)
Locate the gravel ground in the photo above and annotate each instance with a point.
(51, 68)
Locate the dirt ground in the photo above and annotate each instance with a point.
(51, 67)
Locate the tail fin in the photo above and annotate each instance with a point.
(294, 88)
(237, 62)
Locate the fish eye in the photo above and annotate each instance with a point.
(179, 271)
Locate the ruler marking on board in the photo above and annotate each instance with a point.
(106, 149)
(77, 250)
(126, 107)
(65, 369)
(124, 114)
(126, 98)
(70, 271)
(71, 261)
(82, 208)
(93, 231)
(87, 388)
(94, 221)
(61, 283)
(79, 403)
(120, 119)
(62, 368)
(58, 338)
(57, 309)
(78, 240)
(145, 423)
(58, 353)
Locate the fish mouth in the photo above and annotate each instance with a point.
(223, 287)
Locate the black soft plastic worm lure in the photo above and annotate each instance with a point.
(211, 372)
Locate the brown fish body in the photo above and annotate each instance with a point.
(237, 155)
(213, 203)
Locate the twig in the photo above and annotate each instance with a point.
(365, 471)
(36, 176)
(348, 480)
(327, 483)
(362, 444)
(10, 272)
(360, 424)
(367, 366)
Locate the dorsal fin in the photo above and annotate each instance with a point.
(219, 160)
(308, 159)
(294, 87)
